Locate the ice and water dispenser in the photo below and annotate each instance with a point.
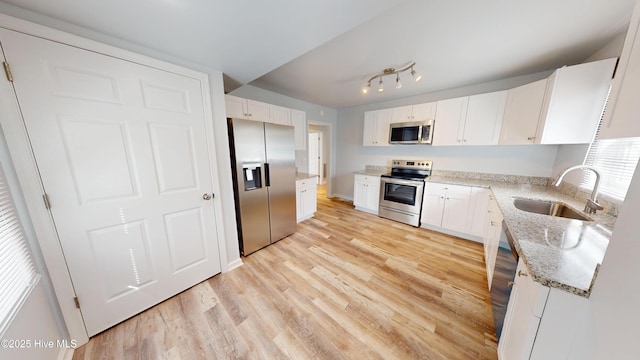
(252, 173)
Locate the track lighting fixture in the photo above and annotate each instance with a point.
(391, 71)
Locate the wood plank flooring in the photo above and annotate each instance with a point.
(346, 285)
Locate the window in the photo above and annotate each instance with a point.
(17, 272)
(616, 159)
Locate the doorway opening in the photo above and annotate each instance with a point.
(319, 154)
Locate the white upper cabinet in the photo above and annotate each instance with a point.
(418, 112)
(450, 114)
(376, 128)
(484, 118)
(299, 122)
(573, 103)
(236, 107)
(401, 114)
(521, 114)
(240, 108)
(620, 118)
(563, 109)
(471, 120)
(280, 115)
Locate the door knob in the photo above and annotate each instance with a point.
(207, 196)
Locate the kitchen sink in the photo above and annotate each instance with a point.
(551, 208)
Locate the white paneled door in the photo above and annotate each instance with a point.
(123, 156)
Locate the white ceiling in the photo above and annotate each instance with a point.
(323, 51)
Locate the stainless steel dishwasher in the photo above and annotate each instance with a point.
(503, 275)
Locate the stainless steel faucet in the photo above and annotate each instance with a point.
(592, 203)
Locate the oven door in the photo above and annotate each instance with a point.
(401, 194)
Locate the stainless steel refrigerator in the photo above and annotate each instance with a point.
(264, 174)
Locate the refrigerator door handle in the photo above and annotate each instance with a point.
(267, 176)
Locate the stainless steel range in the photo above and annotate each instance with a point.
(401, 191)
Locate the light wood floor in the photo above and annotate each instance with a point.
(346, 285)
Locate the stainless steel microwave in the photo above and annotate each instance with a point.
(420, 132)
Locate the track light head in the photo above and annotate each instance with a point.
(391, 71)
(416, 77)
(365, 90)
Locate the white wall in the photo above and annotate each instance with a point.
(39, 317)
(611, 328)
(34, 322)
(530, 160)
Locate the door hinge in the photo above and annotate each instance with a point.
(76, 301)
(7, 71)
(47, 203)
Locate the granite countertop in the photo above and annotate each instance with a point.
(559, 252)
(373, 171)
(304, 176)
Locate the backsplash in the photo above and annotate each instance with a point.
(610, 208)
(377, 168)
(513, 179)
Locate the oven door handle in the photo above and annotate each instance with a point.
(402, 182)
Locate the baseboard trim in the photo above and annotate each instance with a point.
(453, 233)
(341, 197)
(66, 354)
(234, 264)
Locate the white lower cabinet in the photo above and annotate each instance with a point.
(477, 217)
(491, 238)
(366, 193)
(521, 321)
(306, 202)
(540, 322)
(446, 206)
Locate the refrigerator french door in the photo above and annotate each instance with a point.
(263, 161)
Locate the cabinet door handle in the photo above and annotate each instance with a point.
(531, 138)
(207, 196)
(520, 273)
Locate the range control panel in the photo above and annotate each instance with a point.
(412, 164)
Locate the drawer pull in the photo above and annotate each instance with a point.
(520, 273)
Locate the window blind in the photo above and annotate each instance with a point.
(17, 271)
(615, 158)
